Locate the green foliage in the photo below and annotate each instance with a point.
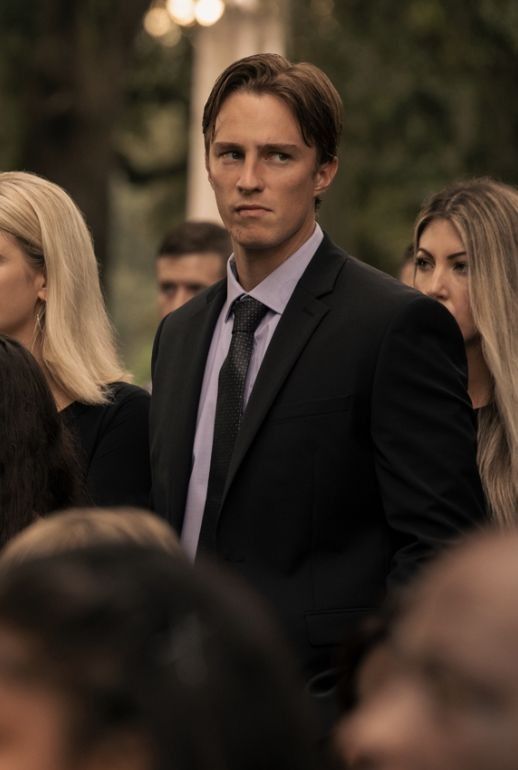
(429, 89)
(149, 187)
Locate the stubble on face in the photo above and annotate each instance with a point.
(265, 178)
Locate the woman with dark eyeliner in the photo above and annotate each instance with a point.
(466, 242)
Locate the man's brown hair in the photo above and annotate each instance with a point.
(196, 237)
(304, 88)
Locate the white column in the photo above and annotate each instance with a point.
(238, 33)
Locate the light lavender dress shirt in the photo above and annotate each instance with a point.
(274, 292)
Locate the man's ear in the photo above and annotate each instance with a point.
(324, 175)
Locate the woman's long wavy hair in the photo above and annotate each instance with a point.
(39, 472)
(485, 215)
(75, 340)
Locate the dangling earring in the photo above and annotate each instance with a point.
(40, 316)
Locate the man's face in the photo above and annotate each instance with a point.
(451, 702)
(181, 278)
(264, 176)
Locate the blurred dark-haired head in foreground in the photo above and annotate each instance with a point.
(125, 657)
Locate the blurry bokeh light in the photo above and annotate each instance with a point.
(245, 5)
(172, 36)
(157, 22)
(165, 18)
(208, 12)
(183, 12)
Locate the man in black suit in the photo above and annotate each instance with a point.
(317, 434)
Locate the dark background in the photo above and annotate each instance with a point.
(90, 100)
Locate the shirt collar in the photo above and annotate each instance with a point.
(275, 290)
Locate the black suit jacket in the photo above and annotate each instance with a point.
(356, 456)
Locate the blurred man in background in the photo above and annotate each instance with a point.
(191, 257)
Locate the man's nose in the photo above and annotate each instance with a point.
(250, 178)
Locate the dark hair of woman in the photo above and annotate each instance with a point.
(38, 468)
(136, 642)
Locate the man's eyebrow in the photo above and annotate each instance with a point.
(226, 145)
(280, 147)
(269, 146)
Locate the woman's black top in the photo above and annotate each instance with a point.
(113, 446)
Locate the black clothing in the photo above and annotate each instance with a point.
(113, 444)
(355, 460)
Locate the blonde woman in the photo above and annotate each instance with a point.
(466, 240)
(51, 302)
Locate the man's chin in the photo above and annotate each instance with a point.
(251, 242)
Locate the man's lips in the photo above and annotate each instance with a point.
(250, 208)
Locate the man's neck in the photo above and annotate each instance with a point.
(254, 265)
(252, 269)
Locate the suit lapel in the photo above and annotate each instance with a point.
(190, 368)
(303, 314)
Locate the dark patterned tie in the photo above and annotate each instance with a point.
(248, 313)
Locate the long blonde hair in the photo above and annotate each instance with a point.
(77, 342)
(485, 214)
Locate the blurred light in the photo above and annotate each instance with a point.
(181, 11)
(208, 12)
(244, 5)
(157, 22)
(172, 36)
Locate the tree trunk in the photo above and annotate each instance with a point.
(74, 93)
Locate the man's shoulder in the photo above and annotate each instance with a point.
(372, 281)
(367, 283)
(364, 295)
(392, 305)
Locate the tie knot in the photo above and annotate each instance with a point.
(248, 313)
